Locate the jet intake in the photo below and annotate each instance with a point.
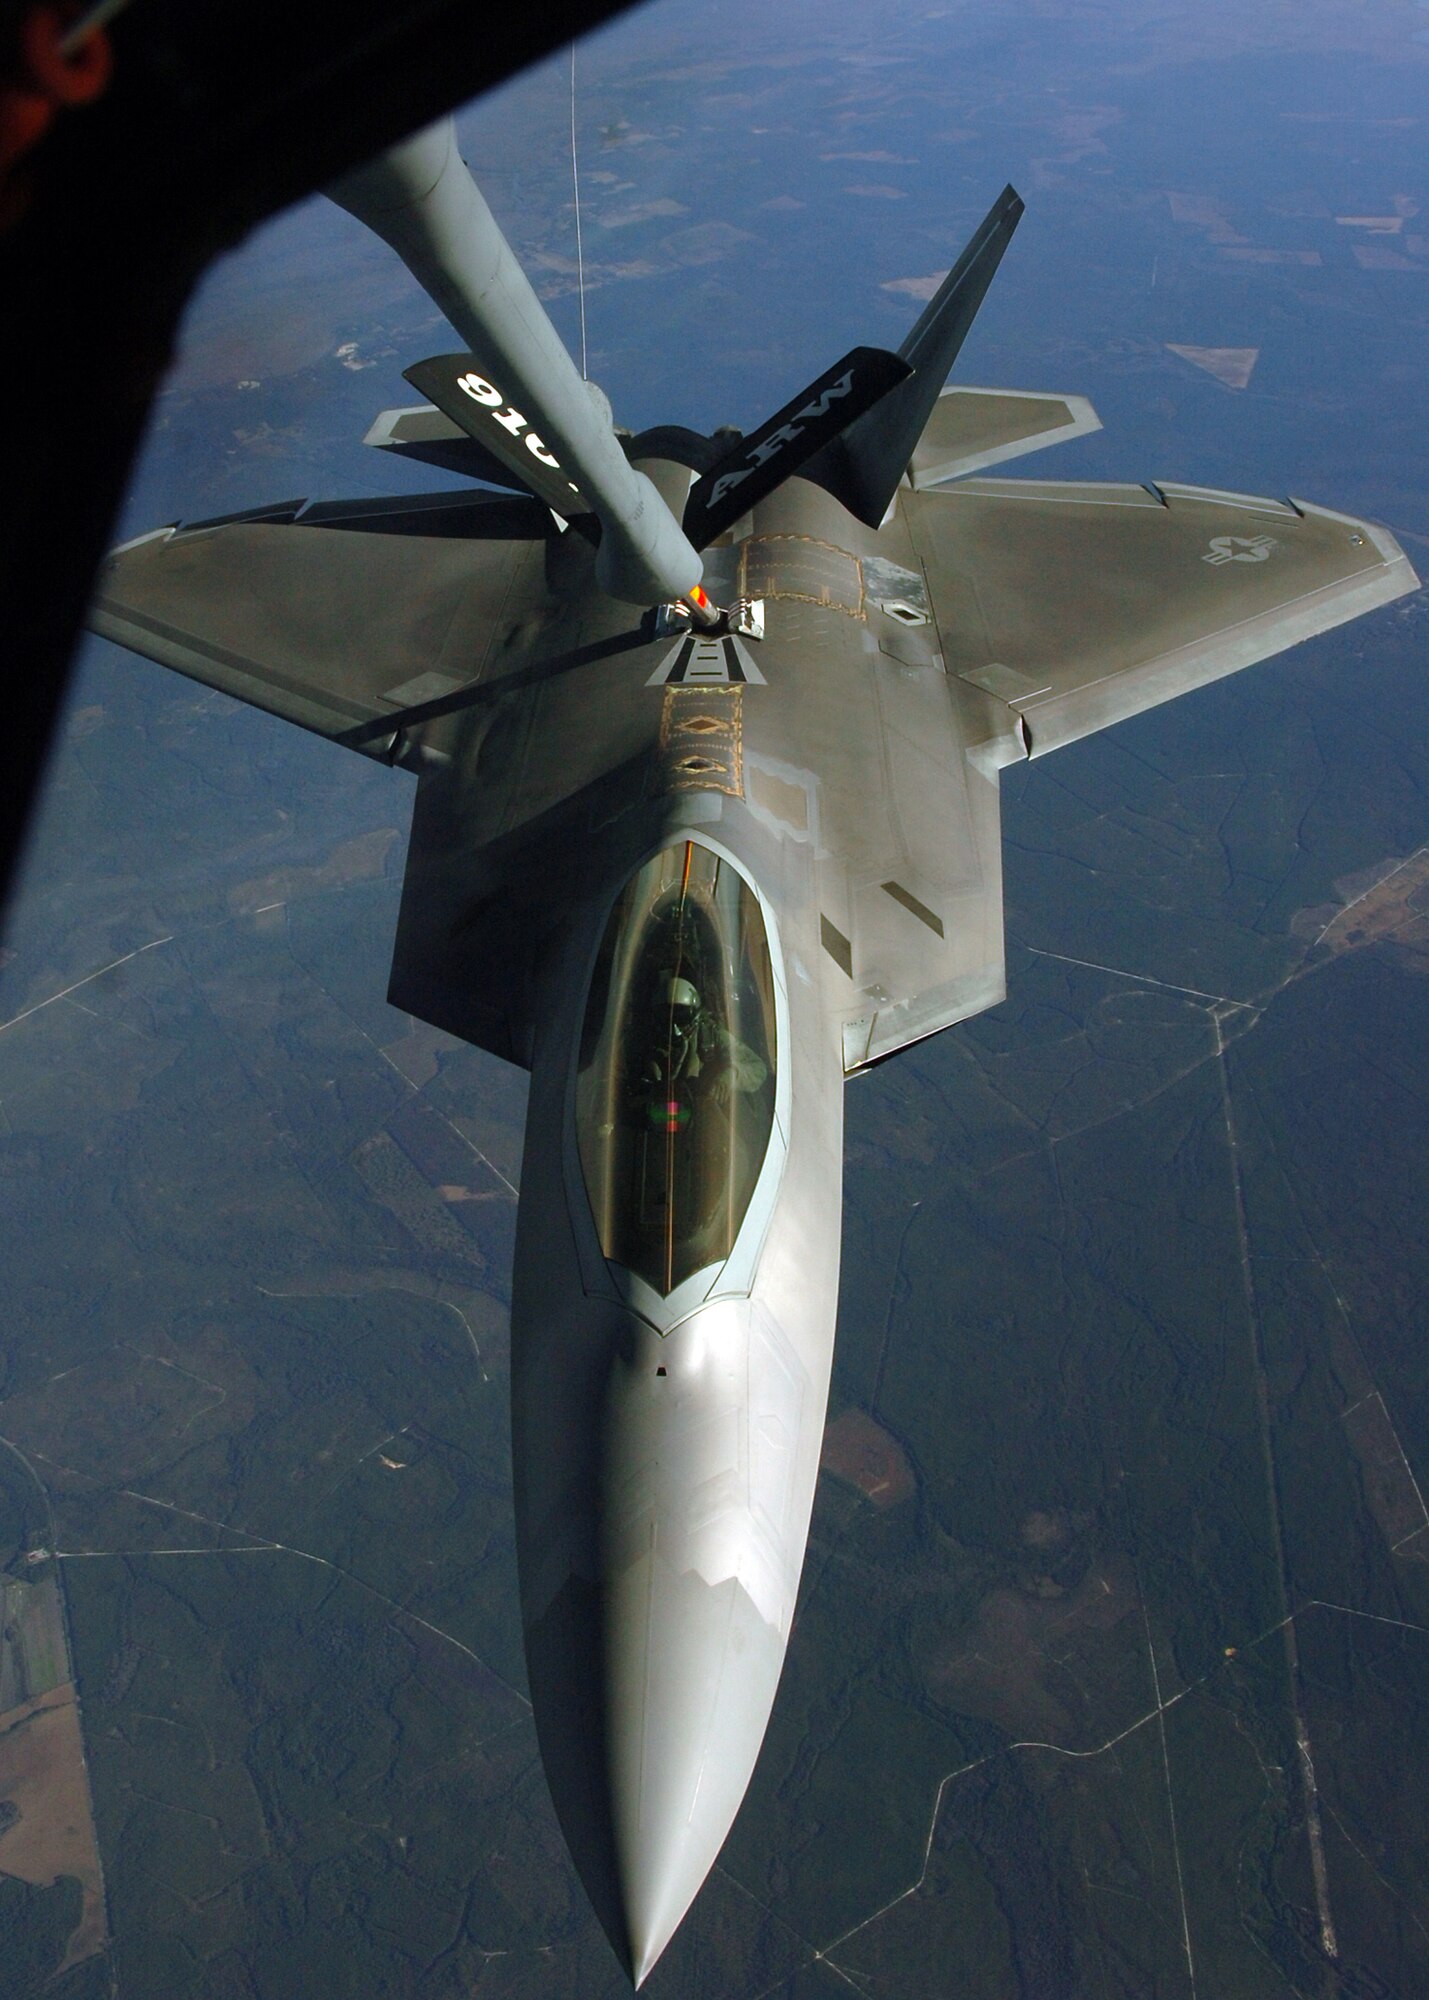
(420, 199)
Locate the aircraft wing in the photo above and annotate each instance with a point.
(1079, 605)
(354, 611)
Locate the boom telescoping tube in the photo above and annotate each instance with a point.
(420, 199)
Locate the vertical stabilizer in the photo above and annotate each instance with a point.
(862, 467)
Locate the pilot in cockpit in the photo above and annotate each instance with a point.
(691, 1047)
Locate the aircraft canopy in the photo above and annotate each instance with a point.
(675, 1090)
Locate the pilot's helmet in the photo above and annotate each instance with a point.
(677, 999)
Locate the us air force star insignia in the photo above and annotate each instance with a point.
(1238, 548)
(697, 661)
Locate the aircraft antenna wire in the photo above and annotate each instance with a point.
(576, 189)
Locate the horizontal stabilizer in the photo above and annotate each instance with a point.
(460, 391)
(971, 429)
(767, 457)
(862, 468)
(424, 434)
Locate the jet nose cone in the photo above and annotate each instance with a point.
(691, 1676)
(660, 1550)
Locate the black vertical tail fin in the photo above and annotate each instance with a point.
(756, 464)
(862, 467)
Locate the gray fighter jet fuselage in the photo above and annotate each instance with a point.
(693, 864)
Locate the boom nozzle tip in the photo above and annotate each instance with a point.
(700, 607)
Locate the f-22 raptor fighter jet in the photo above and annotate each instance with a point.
(707, 734)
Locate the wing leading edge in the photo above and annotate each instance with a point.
(1081, 605)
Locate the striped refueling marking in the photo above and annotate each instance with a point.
(914, 908)
(700, 661)
(836, 945)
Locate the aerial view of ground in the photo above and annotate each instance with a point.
(1110, 1671)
